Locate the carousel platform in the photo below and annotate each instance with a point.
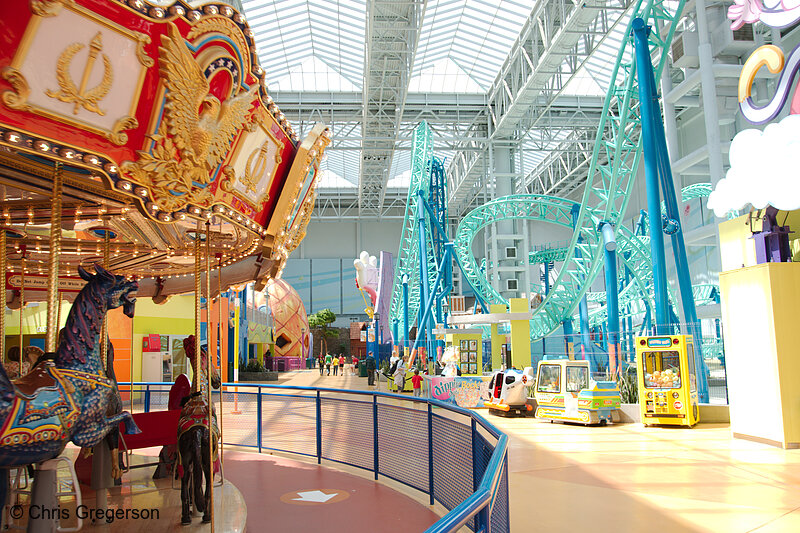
(289, 495)
(142, 503)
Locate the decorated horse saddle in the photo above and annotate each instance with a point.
(39, 379)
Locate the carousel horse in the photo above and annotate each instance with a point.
(193, 437)
(65, 398)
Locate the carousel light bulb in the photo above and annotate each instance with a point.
(177, 11)
(157, 12)
(136, 4)
(13, 137)
(194, 15)
(125, 185)
(226, 10)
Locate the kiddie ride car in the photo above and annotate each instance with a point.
(564, 392)
(508, 392)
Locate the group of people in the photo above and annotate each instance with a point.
(338, 364)
(398, 370)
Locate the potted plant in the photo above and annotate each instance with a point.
(255, 371)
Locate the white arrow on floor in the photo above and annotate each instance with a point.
(316, 496)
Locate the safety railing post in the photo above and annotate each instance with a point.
(430, 453)
(258, 419)
(319, 429)
(375, 433)
(147, 399)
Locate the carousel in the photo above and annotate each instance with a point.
(140, 157)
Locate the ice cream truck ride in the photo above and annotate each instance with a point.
(666, 396)
(565, 391)
(508, 392)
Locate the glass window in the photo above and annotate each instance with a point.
(577, 378)
(692, 373)
(549, 378)
(662, 370)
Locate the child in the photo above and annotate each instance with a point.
(355, 365)
(416, 381)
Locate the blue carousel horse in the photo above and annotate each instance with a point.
(66, 399)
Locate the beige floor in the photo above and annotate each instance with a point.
(626, 478)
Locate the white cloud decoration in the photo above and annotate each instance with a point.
(765, 170)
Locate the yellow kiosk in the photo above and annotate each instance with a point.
(666, 396)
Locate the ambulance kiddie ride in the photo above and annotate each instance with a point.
(665, 395)
(565, 392)
(508, 392)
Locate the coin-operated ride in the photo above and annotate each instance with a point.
(508, 392)
(667, 380)
(564, 391)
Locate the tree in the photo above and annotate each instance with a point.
(320, 323)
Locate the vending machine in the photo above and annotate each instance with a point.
(667, 380)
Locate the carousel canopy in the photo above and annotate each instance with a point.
(157, 122)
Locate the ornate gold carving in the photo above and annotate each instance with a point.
(18, 97)
(48, 8)
(142, 41)
(196, 131)
(256, 166)
(226, 27)
(68, 92)
(116, 135)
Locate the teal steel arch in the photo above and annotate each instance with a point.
(632, 251)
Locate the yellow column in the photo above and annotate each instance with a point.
(497, 339)
(520, 334)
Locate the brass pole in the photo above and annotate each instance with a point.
(197, 319)
(219, 349)
(21, 303)
(130, 375)
(106, 264)
(52, 268)
(208, 369)
(3, 254)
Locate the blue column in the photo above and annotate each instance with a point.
(583, 306)
(612, 294)
(644, 70)
(659, 158)
(423, 327)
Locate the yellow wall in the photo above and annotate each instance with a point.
(176, 317)
(761, 322)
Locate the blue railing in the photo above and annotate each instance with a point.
(451, 454)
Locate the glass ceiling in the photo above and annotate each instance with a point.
(318, 45)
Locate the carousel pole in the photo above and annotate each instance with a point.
(208, 371)
(197, 295)
(3, 295)
(106, 264)
(219, 349)
(51, 337)
(21, 302)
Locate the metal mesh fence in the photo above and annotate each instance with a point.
(289, 423)
(347, 432)
(403, 445)
(453, 480)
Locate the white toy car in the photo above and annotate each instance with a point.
(508, 392)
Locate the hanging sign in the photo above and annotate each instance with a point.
(38, 282)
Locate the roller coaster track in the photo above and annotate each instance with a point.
(609, 182)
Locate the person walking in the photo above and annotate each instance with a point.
(335, 364)
(370, 364)
(321, 363)
(399, 376)
(341, 364)
(416, 382)
(355, 365)
(328, 359)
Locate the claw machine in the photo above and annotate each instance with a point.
(667, 380)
